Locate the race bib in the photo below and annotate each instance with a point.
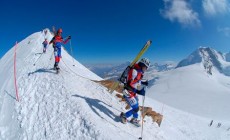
(132, 101)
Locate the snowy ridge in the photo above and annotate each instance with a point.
(64, 106)
(210, 58)
(71, 106)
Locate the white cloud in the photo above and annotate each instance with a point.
(180, 11)
(225, 30)
(213, 7)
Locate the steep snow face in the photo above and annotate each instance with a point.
(210, 59)
(31, 84)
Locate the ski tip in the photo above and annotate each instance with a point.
(149, 42)
(34, 64)
(140, 138)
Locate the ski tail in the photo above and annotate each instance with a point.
(139, 55)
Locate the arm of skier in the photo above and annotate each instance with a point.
(52, 40)
(68, 38)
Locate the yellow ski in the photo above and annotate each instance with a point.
(141, 52)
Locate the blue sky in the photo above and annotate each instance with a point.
(113, 31)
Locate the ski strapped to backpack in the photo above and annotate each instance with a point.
(123, 78)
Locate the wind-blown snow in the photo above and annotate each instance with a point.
(69, 105)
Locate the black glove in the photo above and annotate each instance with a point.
(69, 37)
(55, 48)
(141, 92)
(146, 83)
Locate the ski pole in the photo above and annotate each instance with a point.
(51, 55)
(142, 120)
(38, 59)
(71, 51)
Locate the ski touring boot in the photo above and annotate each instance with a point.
(57, 69)
(123, 118)
(135, 122)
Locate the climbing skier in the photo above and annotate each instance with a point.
(131, 90)
(57, 41)
(45, 43)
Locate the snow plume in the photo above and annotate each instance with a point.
(213, 7)
(225, 30)
(180, 11)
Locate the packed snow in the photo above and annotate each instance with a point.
(70, 105)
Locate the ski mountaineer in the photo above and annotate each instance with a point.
(45, 43)
(57, 41)
(134, 80)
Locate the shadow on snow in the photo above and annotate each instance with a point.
(42, 70)
(96, 104)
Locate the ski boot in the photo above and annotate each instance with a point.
(55, 66)
(58, 69)
(123, 118)
(135, 122)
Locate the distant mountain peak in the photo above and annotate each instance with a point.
(207, 56)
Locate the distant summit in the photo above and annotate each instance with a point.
(209, 58)
(112, 72)
(158, 67)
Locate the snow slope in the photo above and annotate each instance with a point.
(191, 89)
(70, 106)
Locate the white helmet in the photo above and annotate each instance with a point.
(145, 61)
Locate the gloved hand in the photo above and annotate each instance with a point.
(146, 83)
(69, 37)
(55, 49)
(141, 92)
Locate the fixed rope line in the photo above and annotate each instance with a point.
(76, 73)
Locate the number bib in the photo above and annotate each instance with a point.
(132, 101)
